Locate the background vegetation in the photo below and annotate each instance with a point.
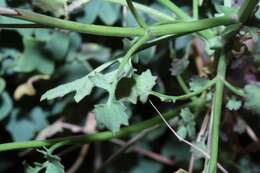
(187, 65)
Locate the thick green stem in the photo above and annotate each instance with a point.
(101, 136)
(192, 26)
(167, 29)
(244, 12)
(216, 112)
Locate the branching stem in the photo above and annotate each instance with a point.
(164, 97)
(162, 30)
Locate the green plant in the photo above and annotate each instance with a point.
(218, 34)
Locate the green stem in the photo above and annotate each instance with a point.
(182, 84)
(101, 136)
(167, 29)
(164, 97)
(234, 89)
(216, 112)
(191, 26)
(137, 17)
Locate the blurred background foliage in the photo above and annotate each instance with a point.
(33, 61)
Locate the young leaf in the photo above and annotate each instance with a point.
(111, 115)
(197, 83)
(182, 131)
(252, 98)
(186, 115)
(54, 167)
(141, 86)
(233, 104)
(188, 122)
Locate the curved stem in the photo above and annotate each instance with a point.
(234, 89)
(101, 136)
(164, 97)
(181, 14)
(182, 84)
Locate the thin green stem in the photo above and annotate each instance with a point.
(165, 98)
(246, 10)
(234, 89)
(101, 136)
(153, 13)
(216, 112)
(207, 34)
(137, 17)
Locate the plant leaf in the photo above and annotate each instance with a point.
(233, 104)
(197, 83)
(111, 115)
(82, 87)
(54, 167)
(140, 87)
